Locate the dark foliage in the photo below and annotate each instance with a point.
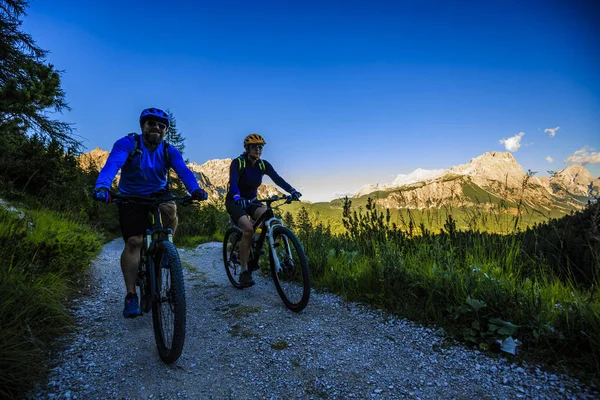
(570, 245)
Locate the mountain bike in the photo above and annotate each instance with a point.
(287, 260)
(160, 277)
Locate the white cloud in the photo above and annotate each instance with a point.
(551, 131)
(512, 143)
(584, 156)
(549, 159)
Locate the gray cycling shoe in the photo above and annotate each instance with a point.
(246, 279)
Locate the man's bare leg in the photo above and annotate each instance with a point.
(130, 261)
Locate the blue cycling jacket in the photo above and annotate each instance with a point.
(146, 173)
(246, 181)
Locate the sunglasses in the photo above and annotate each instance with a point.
(255, 146)
(160, 125)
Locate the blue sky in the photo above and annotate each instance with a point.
(347, 92)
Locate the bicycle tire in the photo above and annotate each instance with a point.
(293, 281)
(231, 256)
(168, 306)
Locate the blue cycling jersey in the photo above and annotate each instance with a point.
(246, 181)
(146, 173)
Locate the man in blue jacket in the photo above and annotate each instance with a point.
(144, 161)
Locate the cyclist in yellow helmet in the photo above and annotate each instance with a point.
(245, 176)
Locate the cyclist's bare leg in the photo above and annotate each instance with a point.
(168, 212)
(247, 231)
(258, 213)
(130, 260)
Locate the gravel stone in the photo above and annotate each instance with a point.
(336, 350)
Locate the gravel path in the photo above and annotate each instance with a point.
(245, 344)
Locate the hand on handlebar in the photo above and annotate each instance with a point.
(199, 194)
(102, 194)
(240, 201)
(295, 194)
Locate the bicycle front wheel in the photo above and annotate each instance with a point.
(291, 276)
(168, 306)
(231, 256)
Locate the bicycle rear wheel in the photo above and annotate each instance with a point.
(168, 306)
(292, 279)
(231, 256)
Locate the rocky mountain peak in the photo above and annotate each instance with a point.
(217, 164)
(576, 171)
(493, 166)
(574, 179)
(95, 159)
(97, 152)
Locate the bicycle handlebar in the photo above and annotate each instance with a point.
(149, 200)
(288, 199)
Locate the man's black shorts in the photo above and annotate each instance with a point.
(134, 218)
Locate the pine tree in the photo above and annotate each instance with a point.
(29, 87)
(303, 223)
(288, 220)
(173, 136)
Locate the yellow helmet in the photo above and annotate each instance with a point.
(254, 138)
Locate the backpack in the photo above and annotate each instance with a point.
(137, 150)
(242, 164)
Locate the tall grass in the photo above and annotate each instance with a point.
(42, 256)
(480, 287)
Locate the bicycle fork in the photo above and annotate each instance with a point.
(274, 246)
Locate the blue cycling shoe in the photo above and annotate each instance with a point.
(132, 306)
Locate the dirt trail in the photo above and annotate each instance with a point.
(244, 344)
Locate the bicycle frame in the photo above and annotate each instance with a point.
(153, 235)
(269, 220)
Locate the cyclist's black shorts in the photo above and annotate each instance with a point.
(236, 212)
(134, 218)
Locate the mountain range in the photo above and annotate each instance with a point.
(484, 181)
